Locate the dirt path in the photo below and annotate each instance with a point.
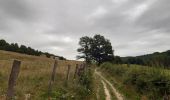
(117, 94)
(106, 91)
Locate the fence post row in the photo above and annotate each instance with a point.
(52, 77)
(12, 79)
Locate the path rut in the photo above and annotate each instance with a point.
(117, 94)
(108, 97)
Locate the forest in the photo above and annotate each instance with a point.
(157, 59)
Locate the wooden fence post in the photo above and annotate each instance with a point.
(76, 70)
(52, 78)
(12, 79)
(79, 71)
(68, 73)
(85, 67)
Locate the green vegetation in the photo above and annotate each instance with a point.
(135, 82)
(113, 97)
(99, 49)
(96, 49)
(34, 78)
(99, 88)
(85, 82)
(14, 47)
(155, 60)
(101, 92)
(151, 82)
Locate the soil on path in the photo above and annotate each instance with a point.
(117, 94)
(108, 97)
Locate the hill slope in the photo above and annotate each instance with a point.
(34, 75)
(14, 47)
(157, 59)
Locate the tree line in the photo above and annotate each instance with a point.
(14, 47)
(156, 59)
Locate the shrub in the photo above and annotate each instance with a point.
(85, 81)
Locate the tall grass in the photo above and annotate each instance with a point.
(34, 77)
(153, 82)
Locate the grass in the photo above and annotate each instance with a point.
(139, 82)
(128, 91)
(101, 92)
(113, 97)
(34, 77)
(99, 89)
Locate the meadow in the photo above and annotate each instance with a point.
(34, 76)
(135, 82)
(139, 82)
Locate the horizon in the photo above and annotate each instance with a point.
(134, 27)
(82, 60)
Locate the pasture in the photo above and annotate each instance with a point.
(34, 76)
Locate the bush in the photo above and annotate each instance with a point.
(85, 81)
(106, 66)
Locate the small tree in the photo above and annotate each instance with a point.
(14, 47)
(23, 49)
(3, 45)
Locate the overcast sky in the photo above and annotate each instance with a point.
(134, 27)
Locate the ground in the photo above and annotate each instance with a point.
(35, 74)
(108, 88)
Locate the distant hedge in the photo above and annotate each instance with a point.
(153, 82)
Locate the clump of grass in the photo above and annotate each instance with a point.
(99, 89)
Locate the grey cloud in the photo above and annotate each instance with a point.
(60, 44)
(49, 24)
(157, 16)
(14, 12)
(15, 9)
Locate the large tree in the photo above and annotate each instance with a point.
(101, 49)
(85, 49)
(96, 49)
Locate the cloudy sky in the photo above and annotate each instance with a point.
(134, 27)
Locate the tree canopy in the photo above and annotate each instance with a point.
(97, 49)
(156, 59)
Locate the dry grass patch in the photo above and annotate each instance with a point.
(34, 74)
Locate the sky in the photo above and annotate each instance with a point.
(134, 27)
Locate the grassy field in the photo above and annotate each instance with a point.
(34, 77)
(139, 82)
